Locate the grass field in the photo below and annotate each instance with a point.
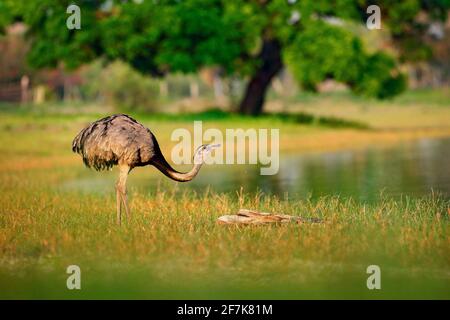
(173, 247)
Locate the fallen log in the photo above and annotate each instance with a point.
(246, 216)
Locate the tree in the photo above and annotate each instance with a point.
(254, 39)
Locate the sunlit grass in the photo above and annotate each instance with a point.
(173, 245)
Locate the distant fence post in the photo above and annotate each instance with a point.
(24, 88)
(39, 95)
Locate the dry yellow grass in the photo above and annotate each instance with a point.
(174, 241)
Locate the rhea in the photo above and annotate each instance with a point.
(119, 140)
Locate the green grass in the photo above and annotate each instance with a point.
(173, 247)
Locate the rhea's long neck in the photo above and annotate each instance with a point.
(161, 164)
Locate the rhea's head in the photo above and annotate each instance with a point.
(203, 151)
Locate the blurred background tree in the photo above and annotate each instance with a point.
(254, 40)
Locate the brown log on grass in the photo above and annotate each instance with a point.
(245, 216)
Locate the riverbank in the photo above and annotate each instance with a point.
(323, 127)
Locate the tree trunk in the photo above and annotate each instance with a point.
(271, 64)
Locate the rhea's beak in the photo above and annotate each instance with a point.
(210, 147)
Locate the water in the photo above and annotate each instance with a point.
(414, 169)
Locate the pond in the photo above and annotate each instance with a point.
(413, 168)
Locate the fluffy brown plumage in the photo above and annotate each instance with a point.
(116, 138)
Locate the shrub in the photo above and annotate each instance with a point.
(121, 86)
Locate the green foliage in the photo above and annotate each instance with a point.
(323, 51)
(408, 22)
(7, 11)
(55, 42)
(378, 77)
(121, 86)
(157, 37)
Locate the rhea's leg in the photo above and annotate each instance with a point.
(125, 203)
(122, 187)
(118, 204)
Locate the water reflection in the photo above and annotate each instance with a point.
(413, 169)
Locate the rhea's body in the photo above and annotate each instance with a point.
(114, 139)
